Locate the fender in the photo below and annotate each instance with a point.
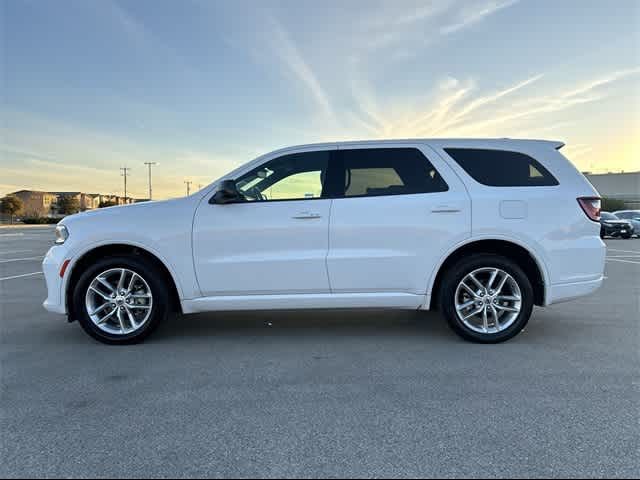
(77, 255)
(533, 251)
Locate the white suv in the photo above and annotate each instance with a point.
(482, 230)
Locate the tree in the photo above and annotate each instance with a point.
(612, 204)
(107, 203)
(11, 205)
(68, 205)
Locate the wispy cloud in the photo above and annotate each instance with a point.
(293, 61)
(461, 108)
(588, 92)
(474, 14)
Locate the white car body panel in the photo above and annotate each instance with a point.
(382, 252)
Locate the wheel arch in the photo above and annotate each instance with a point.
(524, 256)
(100, 251)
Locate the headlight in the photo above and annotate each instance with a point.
(61, 234)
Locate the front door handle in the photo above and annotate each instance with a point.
(307, 216)
(445, 209)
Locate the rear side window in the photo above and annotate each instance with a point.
(387, 171)
(501, 168)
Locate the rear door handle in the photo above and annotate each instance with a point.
(307, 216)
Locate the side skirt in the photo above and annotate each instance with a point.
(406, 301)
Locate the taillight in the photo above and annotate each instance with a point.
(591, 206)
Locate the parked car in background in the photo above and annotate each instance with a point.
(612, 226)
(632, 216)
(481, 230)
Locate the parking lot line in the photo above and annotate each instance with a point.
(620, 260)
(637, 252)
(10, 252)
(21, 276)
(20, 259)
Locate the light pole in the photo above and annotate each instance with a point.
(150, 164)
(188, 182)
(124, 171)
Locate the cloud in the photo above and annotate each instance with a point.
(47, 154)
(536, 106)
(472, 15)
(288, 54)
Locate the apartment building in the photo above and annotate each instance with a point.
(45, 204)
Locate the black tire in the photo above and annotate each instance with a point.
(626, 236)
(149, 272)
(462, 268)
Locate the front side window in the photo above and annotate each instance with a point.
(501, 168)
(297, 176)
(387, 171)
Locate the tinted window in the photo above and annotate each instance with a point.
(387, 171)
(500, 168)
(297, 176)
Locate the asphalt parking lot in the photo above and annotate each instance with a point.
(330, 394)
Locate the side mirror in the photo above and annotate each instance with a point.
(227, 193)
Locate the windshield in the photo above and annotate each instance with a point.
(628, 214)
(608, 216)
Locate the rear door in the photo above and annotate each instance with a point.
(398, 211)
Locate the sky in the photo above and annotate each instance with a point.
(202, 86)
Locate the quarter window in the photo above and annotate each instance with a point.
(501, 168)
(387, 171)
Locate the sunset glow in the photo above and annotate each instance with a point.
(200, 87)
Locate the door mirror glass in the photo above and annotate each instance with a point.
(227, 193)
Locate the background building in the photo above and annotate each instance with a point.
(44, 204)
(622, 186)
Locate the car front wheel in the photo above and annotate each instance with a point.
(120, 300)
(486, 298)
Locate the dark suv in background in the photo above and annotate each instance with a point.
(612, 226)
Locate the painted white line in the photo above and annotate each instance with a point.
(21, 276)
(637, 252)
(624, 261)
(16, 251)
(21, 259)
(11, 234)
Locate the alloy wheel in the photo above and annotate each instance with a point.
(119, 301)
(488, 300)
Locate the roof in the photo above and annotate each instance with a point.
(557, 144)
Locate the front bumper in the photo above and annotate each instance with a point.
(618, 231)
(56, 298)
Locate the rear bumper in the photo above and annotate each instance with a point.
(568, 291)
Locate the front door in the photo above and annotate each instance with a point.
(275, 241)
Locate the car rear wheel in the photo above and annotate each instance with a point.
(120, 300)
(486, 298)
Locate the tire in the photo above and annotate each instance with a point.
(147, 312)
(626, 236)
(516, 286)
